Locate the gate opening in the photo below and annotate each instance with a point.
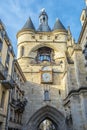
(47, 124)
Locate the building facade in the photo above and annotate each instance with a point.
(6, 60)
(53, 65)
(45, 88)
(12, 100)
(17, 101)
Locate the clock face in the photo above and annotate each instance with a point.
(46, 77)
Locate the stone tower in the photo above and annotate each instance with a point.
(53, 66)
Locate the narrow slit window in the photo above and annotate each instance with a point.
(8, 58)
(22, 51)
(0, 45)
(2, 99)
(46, 95)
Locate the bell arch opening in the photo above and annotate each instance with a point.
(44, 54)
(47, 113)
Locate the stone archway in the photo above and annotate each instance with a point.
(47, 112)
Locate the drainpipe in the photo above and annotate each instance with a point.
(7, 117)
(8, 108)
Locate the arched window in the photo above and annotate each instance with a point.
(3, 99)
(44, 54)
(22, 51)
(46, 95)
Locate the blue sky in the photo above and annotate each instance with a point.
(14, 14)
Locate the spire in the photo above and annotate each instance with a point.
(69, 34)
(29, 24)
(69, 31)
(58, 25)
(43, 22)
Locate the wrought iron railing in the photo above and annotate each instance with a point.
(6, 78)
(19, 104)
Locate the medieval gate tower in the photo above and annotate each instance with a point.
(56, 77)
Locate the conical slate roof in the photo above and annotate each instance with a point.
(58, 25)
(29, 24)
(44, 28)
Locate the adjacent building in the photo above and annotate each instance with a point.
(12, 100)
(17, 101)
(6, 61)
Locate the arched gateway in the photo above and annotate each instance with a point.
(47, 112)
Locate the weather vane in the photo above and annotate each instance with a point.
(43, 10)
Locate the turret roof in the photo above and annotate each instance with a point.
(58, 25)
(44, 28)
(29, 24)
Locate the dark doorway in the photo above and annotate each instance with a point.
(47, 124)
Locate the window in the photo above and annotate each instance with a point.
(15, 116)
(0, 125)
(0, 49)
(46, 95)
(48, 37)
(43, 19)
(12, 95)
(32, 36)
(22, 51)
(8, 59)
(85, 51)
(14, 74)
(11, 114)
(17, 95)
(40, 37)
(2, 99)
(6, 71)
(20, 119)
(56, 36)
(0, 58)
(0, 45)
(59, 92)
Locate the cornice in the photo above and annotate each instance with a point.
(74, 92)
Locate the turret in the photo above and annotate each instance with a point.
(23, 35)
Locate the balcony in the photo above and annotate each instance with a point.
(19, 105)
(5, 79)
(8, 82)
